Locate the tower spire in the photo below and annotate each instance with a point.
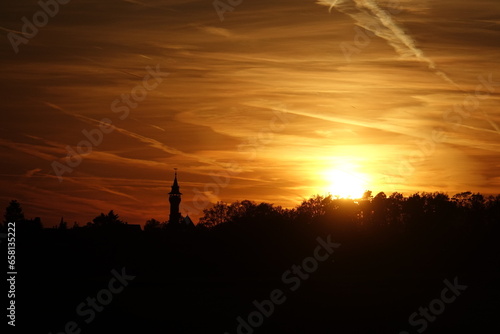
(175, 200)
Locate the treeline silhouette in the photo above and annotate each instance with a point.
(418, 211)
(395, 253)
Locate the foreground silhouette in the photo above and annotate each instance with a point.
(394, 256)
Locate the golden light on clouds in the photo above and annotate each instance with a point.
(351, 121)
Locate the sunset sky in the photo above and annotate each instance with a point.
(284, 99)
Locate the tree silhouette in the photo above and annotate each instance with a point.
(13, 212)
(217, 214)
(240, 213)
(493, 210)
(395, 210)
(313, 208)
(110, 220)
(379, 210)
(367, 195)
(62, 225)
(152, 225)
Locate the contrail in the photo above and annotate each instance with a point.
(14, 31)
(369, 15)
(332, 4)
(146, 140)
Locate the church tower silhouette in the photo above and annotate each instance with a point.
(175, 200)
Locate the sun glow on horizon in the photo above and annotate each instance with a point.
(345, 184)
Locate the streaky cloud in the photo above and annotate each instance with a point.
(369, 15)
(146, 140)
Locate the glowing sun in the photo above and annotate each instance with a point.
(345, 184)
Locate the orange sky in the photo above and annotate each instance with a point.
(285, 99)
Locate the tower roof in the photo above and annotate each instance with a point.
(188, 221)
(175, 186)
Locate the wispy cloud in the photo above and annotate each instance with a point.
(144, 139)
(369, 15)
(14, 31)
(34, 150)
(32, 172)
(226, 81)
(216, 31)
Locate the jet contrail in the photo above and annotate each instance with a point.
(332, 4)
(369, 15)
